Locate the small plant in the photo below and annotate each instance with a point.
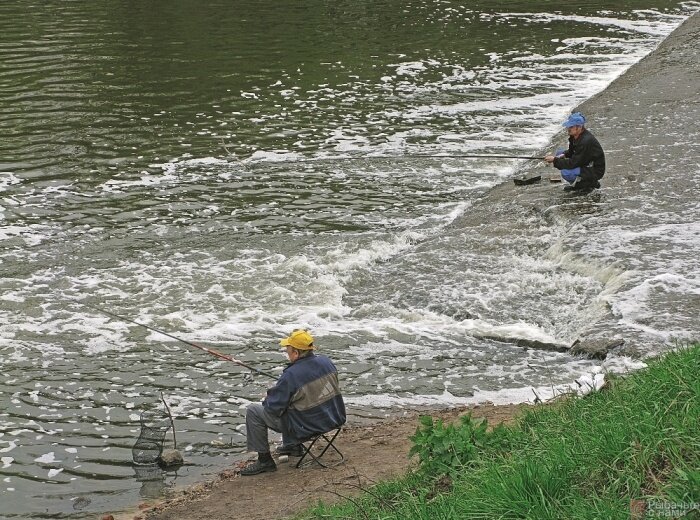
(446, 449)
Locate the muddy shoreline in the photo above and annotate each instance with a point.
(373, 452)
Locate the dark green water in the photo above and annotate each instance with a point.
(186, 164)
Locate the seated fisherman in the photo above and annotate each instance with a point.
(584, 152)
(305, 400)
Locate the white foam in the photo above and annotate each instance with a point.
(660, 24)
(11, 445)
(12, 297)
(635, 310)
(174, 165)
(275, 156)
(341, 261)
(8, 179)
(146, 179)
(588, 382)
(47, 458)
(32, 235)
(409, 68)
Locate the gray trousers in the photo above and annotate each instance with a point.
(257, 422)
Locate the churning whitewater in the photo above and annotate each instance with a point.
(205, 175)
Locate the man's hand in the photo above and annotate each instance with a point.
(549, 158)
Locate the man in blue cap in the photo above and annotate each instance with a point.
(306, 400)
(584, 152)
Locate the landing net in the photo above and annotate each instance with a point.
(149, 445)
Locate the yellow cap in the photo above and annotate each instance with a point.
(299, 339)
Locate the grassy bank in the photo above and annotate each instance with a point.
(637, 439)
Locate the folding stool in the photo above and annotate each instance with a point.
(324, 440)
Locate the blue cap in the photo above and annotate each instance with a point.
(575, 119)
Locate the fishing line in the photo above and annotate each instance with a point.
(449, 156)
(407, 156)
(205, 349)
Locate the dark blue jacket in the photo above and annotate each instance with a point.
(307, 398)
(586, 153)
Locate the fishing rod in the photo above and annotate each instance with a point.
(205, 349)
(411, 156)
(458, 156)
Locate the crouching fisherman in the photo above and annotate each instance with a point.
(583, 164)
(306, 400)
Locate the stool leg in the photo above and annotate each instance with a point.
(317, 458)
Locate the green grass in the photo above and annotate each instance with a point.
(639, 438)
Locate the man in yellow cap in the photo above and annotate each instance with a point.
(306, 400)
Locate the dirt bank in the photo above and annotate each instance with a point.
(373, 452)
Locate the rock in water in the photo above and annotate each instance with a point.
(170, 458)
(525, 181)
(595, 348)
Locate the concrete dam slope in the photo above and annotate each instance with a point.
(640, 234)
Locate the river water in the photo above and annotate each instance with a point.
(213, 169)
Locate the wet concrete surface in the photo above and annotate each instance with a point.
(623, 234)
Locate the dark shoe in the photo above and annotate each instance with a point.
(258, 467)
(293, 450)
(581, 189)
